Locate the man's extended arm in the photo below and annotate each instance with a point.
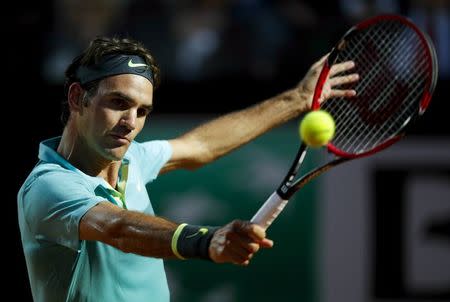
(138, 233)
(224, 134)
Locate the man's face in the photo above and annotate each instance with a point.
(116, 114)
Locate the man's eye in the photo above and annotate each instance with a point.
(119, 103)
(143, 112)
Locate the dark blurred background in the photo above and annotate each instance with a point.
(215, 56)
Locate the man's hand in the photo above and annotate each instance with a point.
(237, 242)
(308, 84)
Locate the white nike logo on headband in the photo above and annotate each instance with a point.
(131, 64)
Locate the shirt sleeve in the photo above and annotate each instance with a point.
(54, 204)
(151, 157)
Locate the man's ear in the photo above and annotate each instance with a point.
(75, 97)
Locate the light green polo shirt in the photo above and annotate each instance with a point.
(51, 202)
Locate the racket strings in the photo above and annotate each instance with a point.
(367, 74)
(392, 80)
(376, 71)
(407, 107)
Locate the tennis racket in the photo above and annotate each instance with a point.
(397, 68)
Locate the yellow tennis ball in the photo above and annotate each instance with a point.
(317, 128)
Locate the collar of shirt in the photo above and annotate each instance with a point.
(47, 153)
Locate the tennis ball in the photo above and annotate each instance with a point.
(317, 128)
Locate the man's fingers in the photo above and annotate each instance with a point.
(340, 80)
(246, 228)
(342, 93)
(244, 242)
(238, 243)
(258, 234)
(239, 254)
(266, 243)
(235, 254)
(340, 67)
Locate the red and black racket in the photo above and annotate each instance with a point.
(397, 68)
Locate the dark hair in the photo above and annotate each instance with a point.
(98, 48)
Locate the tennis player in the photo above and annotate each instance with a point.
(87, 225)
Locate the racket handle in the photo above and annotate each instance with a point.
(269, 210)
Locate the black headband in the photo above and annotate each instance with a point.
(113, 65)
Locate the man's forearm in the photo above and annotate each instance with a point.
(145, 235)
(224, 134)
(129, 231)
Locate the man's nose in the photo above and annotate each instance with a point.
(129, 119)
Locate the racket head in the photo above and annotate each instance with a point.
(397, 67)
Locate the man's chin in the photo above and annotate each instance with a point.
(116, 154)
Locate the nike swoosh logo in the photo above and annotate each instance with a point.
(133, 65)
(201, 231)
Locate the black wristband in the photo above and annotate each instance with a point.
(192, 241)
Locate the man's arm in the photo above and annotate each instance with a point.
(129, 231)
(224, 134)
(139, 233)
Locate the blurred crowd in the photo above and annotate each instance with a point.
(261, 39)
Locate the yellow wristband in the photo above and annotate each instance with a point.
(175, 237)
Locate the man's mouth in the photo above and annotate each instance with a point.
(120, 138)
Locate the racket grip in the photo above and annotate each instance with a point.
(269, 210)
